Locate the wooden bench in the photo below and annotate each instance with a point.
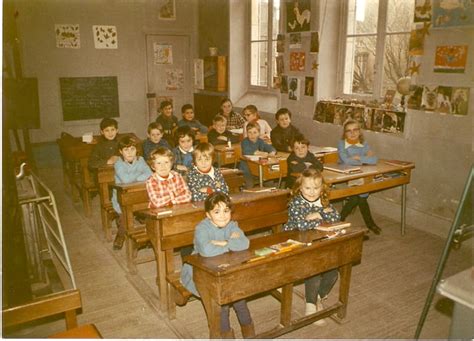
(67, 302)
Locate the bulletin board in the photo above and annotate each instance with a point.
(85, 98)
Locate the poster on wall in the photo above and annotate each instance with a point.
(414, 100)
(280, 43)
(314, 47)
(416, 42)
(297, 61)
(309, 86)
(293, 88)
(444, 99)
(162, 53)
(295, 40)
(105, 37)
(199, 74)
(450, 59)
(167, 10)
(298, 15)
(174, 79)
(422, 11)
(460, 101)
(449, 13)
(67, 36)
(284, 84)
(429, 98)
(280, 66)
(276, 82)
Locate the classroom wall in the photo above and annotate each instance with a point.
(133, 20)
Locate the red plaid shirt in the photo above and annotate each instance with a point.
(163, 192)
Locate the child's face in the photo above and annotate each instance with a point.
(284, 120)
(311, 188)
(129, 154)
(250, 116)
(226, 108)
(155, 135)
(204, 162)
(352, 131)
(162, 165)
(300, 149)
(188, 114)
(219, 215)
(185, 142)
(253, 134)
(109, 132)
(168, 110)
(220, 126)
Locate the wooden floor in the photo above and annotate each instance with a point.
(388, 289)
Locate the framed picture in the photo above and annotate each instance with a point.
(298, 16)
(167, 10)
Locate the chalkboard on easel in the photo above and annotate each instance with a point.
(85, 98)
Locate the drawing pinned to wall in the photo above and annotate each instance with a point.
(276, 82)
(309, 86)
(105, 37)
(293, 88)
(162, 53)
(298, 15)
(284, 84)
(314, 64)
(280, 43)
(167, 10)
(416, 43)
(199, 74)
(297, 61)
(444, 99)
(295, 40)
(429, 98)
(314, 47)
(449, 13)
(460, 101)
(414, 100)
(174, 79)
(280, 66)
(450, 59)
(422, 10)
(67, 36)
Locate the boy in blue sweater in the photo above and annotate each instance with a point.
(155, 139)
(183, 152)
(189, 120)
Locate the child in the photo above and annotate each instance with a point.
(216, 235)
(154, 140)
(353, 150)
(188, 119)
(220, 135)
(300, 159)
(234, 120)
(168, 121)
(165, 186)
(252, 116)
(183, 152)
(203, 179)
(284, 132)
(129, 168)
(253, 145)
(105, 152)
(308, 208)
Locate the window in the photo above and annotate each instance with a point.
(376, 45)
(265, 21)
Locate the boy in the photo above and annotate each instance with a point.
(165, 186)
(183, 152)
(188, 119)
(129, 168)
(154, 140)
(252, 116)
(284, 132)
(105, 152)
(203, 178)
(220, 135)
(300, 159)
(168, 121)
(253, 145)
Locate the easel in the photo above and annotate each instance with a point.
(461, 229)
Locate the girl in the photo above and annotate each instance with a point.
(308, 208)
(203, 178)
(183, 152)
(353, 150)
(234, 120)
(216, 235)
(252, 116)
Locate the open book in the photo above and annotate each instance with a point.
(341, 168)
(333, 227)
(398, 163)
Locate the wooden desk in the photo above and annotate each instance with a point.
(202, 138)
(169, 231)
(370, 184)
(105, 179)
(226, 155)
(241, 280)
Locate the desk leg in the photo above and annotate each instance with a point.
(213, 310)
(404, 208)
(161, 276)
(130, 244)
(345, 272)
(286, 302)
(260, 174)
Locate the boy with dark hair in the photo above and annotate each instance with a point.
(105, 152)
(183, 152)
(168, 121)
(284, 133)
(189, 120)
(300, 159)
(154, 140)
(219, 134)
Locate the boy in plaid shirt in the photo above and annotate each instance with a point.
(165, 187)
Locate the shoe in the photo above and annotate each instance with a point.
(229, 334)
(320, 307)
(118, 242)
(375, 229)
(312, 309)
(248, 330)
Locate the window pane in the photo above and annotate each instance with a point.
(359, 65)
(259, 29)
(276, 18)
(258, 73)
(400, 15)
(362, 16)
(395, 62)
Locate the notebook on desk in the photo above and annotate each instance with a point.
(397, 163)
(341, 168)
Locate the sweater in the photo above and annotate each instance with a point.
(169, 124)
(298, 165)
(193, 124)
(213, 181)
(282, 137)
(348, 151)
(149, 146)
(102, 151)
(213, 135)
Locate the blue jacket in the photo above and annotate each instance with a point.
(193, 124)
(181, 158)
(149, 146)
(249, 148)
(346, 154)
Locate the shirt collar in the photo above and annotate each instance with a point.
(313, 203)
(186, 152)
(210, 173)
(347, 144)
(171, 176)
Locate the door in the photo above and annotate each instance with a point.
(168, 72)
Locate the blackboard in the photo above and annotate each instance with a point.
(85, 98)
(21, 103)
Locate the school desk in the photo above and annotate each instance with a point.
(234, 276)
(105, 179)
(226, 155)
(173, 227)
(372, 178)
(202, 138)
(133, 197)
